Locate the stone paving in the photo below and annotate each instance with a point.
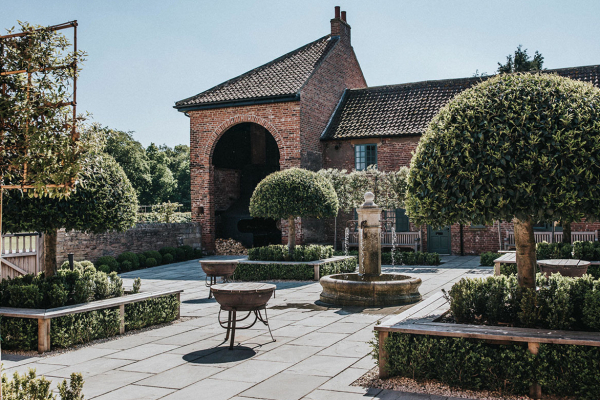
(319, 350)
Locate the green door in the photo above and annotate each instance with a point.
(438, 240)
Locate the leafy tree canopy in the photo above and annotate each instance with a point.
(38, 147)
(516, 145)
(294, 192)
(521, 62)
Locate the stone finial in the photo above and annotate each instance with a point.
(369, 197)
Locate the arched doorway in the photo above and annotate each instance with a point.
(243, 156)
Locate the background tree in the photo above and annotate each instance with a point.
(521, 147)
(294, 193)
(103, 200)
(521, 62)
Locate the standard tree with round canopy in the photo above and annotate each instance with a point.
(294, 193)
(520, 147)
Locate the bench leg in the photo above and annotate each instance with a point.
(497, 268)
(178, 305)
(43, 335)
(317, 277)
(122, 319)
(535, 390)
(382, 354)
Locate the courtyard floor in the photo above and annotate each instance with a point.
(319, 350)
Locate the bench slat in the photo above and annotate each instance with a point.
(81, 308)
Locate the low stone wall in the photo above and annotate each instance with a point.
(142, 237)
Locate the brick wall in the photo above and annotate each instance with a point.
(142, 237)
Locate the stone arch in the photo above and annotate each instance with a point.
(216, 134)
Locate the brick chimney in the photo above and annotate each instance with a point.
(339, 25)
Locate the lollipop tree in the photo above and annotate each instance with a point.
(520, 147)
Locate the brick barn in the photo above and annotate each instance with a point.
(312, 108)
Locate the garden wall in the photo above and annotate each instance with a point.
(142, 237)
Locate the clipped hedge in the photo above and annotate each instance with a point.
(474, 364)
(29, 386)
(487, 259)
(402, 257)
(69, 330)
(310, 252)
(298, 272)
(558, 303)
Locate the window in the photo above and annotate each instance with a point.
(365, 155)
(398, 218)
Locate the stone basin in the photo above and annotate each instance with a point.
(370, 290)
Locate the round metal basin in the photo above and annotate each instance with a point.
(242, 296)
(219, 267)
(370, 290)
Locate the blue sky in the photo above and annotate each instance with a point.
(145, 55)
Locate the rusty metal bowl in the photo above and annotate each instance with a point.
(242, 296)
(219, 267)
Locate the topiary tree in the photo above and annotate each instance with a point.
(103, 200)
(294, 193)
(521, 147)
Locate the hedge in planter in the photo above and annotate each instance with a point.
(69, 330)
(299, 272)
(474, 364)
(311, 252)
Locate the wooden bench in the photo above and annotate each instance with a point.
(421, 322)
(44, 316)
(506, 258)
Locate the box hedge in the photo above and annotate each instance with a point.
(300, 272)
(310, 252)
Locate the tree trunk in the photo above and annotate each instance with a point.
(566, 237)
(291, 235)
(50, 240)
(526, 260)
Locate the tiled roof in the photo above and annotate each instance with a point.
(407, 109)
(281, 77)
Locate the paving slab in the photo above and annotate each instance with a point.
(90, 368)
(319, 339)
(331, 395)
(289, 353)
(144, 351)
(346, 348)
(212, 389)
(252, 371)
(109, 381)
(181, 376)
(285, 386)
(134, 392)
(156, 364)
(322, 365)
(342, 381)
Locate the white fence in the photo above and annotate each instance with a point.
(509, 241)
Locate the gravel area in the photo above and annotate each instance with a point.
(371, 379)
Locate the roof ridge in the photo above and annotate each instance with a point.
(255, 70)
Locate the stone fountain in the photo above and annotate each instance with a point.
(369, 287)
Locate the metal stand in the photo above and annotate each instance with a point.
(212, 280)
(232, 320)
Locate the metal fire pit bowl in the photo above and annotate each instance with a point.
(246, 297)
(215, 268)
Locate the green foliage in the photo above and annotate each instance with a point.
(416, 258)
(487, 259)
(508, 269)
(558, 303)
(153, 217)
(29, 386)
(545, 250)
(112, 263)
(521, 62)
(126, 266)
(65, 288)
(310, 252)
(104, 268)
(69, 330)
(131, 257)
(151, 312)
(473, 364)
(299, 272)
(38, 136)
(166, 211)
(103, 200)
(589, 251)
(137, 285)
(151, 262)
(142, 258)
(167, 250)
(167, 258)
(389, 187)
(515, 145)
(155, 255)
(294, 192)
(188, 252)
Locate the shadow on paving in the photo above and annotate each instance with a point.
(219, 355)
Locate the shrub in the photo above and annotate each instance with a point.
(126, 266)
(311, 252)
(508, 269)
(137, 285)
(151, 262)
(108, 260)
(487, 259)
(301, 272)
(153, 254)
(167, 250)
(198, 253)
(29, 386)
(473, 364)
(559, 302)
(142, 258)
(179, 255)
(188, 252)
(151, 312)
(167, 258)
(131, 257)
